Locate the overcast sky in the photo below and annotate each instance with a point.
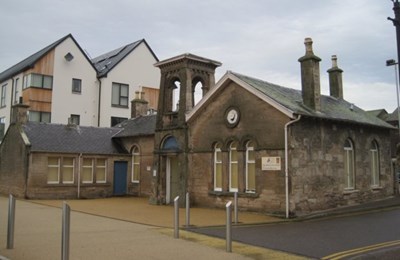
(258, 38)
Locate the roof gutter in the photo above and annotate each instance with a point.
(287, 163)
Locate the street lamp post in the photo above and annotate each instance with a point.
(396, 23)
(394, 63)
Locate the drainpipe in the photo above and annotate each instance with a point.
(79, 175)
(287, 163)
(98, 108)
(12, 99)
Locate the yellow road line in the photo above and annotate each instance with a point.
(359, 250)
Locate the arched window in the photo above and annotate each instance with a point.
(233, 168)
(135, 164)
(197, 92)
(217, 167)
(374, 151)
(176, 90)
(349, 164)
(250, 168)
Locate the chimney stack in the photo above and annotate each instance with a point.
(139, 106)
(335, 79)
(19, 113)
(310, 78)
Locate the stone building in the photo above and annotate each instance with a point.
(282, 150)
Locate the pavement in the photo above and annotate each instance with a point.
(131, 228)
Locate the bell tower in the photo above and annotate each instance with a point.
(180, 78)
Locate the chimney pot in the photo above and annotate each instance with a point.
(310, 77)
(334, 61)
(308, 42)
(335, 79)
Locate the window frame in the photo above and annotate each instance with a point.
(3, 97)
(101, 167)
(68, 166)
(250, 148)
(217, 151)
(58, 166)
(135, 155)
(120, 97)
(79, 89)
(375, 165)
(28, 81)
(349, 167)
(87, 167)
(41, 116)
(16, 91)
(233, 164)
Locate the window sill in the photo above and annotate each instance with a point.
(118, 106)
(376, 188)
(350, 191)
(231, 194)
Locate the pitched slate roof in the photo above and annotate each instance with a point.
(331, 107)
(290, 102)
(59, 138)
(29, 62)
(392, 117)
(106, 62)
(139, 126)
(380, 113)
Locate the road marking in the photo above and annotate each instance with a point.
(359, 250)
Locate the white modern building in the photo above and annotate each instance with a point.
(61, 83)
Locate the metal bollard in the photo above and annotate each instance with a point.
(229, 226)
(187, 210)
(65, 231)
(176, 217)
(11, 222)
(236, 207)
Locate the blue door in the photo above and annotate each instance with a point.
(120, 174)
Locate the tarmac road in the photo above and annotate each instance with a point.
(323, 237)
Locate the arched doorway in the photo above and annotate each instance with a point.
(170, 149)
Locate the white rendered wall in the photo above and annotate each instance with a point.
(5, 112)
(64, 101)
(137, 69)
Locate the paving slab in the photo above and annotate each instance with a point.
(138, 210)
(116, 235)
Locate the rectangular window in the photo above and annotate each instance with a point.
(68, 170)
(120, 93)
(349, 169)
(101, 172)
(233, 169)
(116, 120)
(38, 116)
(250, 169)
(135, 164)
(217, 168)
(38, 81)
(76, 86)
(53, 170)
(3, 95)
(16, 97)
(87, 171)
(374, 164)
(25, 82)
(75, 119)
